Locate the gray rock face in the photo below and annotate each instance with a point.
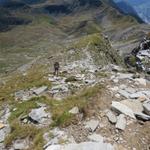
(21, 144)
(96, 138)
(142, 116)
(92, 125)
(119, 107)
(4, 126)
(23, 95)
(40, 90)
(146, 106)
(141, 81)
(124, 93)
(74, 110)
(112, 118)
(136, 95)
(135, 105)
(59, 88)
(39, 115)
(82, 146)
(121, 122)
(125, 76)
(3, 133)
(147, 93)
(130, 90)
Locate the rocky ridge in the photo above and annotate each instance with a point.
(126, 109)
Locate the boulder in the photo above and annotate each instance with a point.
(74, 110)
(135, 105)
(21, 144)
(23, 95)
(136, 95)
(142, 116)
(116, 68)
(121, 122)
(111, 116)
(125, 76)
(40, 90)
(38, 115)
(124, 93)
(147, 93)
(2, 125)
(4, 132)
(141, 81)
(96, 138)
(146, 106)
(58, 88)
(83, 146)
(130, 90)
(92, 125)
(119, 107)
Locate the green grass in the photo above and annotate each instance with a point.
(35, 77)
(60, 115)
(22, 131)
(60, 110)
(19, 131)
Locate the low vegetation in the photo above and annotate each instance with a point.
(35, 77)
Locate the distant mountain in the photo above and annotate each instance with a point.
(137, 8)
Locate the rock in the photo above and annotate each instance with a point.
(83, 146)
(147, 93)
(89, 81)
(124, 76)
(119, 107)
(114, 89)
(40, 90)
(115, 80)
(146, 106)
(142, 98)
(116, 68)
(23, 95)
(112, 118)
(21, 144)
(136, 95)
(142, 116)
(124, 93)
(3, 133)
(74, 110)
(122, 86)
(38, 115)
(92, 125)
(141, 81)
(130, 90)
(96, 138)
(135, 105)
(2, 126)
(60, 88)
(58, 135)
(121, 122)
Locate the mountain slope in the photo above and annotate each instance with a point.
(46, 26)
(139, 9)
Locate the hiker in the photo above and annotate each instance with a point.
(56, 68)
